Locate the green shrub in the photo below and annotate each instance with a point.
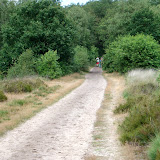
(3, 97)
(158, 78)
(48, 66)
(1, 75)
(24, 67)
(130, 52)
(22, 85)
(154, 149)
(66, 68)
(81, 61)
(143, 106)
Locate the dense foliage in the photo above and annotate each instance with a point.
(3, 97)
(45, 25)
(81, 60)
(130, 52)
(25, 66)
(143, 107)
(48, 66)
(40, 26)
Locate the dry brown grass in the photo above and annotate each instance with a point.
(21, 107)
(92, 157)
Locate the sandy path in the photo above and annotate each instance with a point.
(60, 132)
(106, 144)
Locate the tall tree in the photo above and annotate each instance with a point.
(83, 22)
(146, 22)
(39, 25)
(118, 19)
(6, 8)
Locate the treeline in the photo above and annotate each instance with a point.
(43, 25)
(41, 37)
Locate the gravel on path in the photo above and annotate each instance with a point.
(62, 131)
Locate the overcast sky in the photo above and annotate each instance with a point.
(67, 2)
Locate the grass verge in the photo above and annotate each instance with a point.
(21, 106)
(143, 108)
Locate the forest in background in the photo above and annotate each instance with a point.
(40, 37)
(31, 29)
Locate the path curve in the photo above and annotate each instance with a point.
(63, 130)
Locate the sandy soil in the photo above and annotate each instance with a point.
(105, 144)
(63, 130)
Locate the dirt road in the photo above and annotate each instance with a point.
(106, 144)
(63, 130)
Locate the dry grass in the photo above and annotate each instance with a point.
(92, 157)
(20, 107)
(141, 75)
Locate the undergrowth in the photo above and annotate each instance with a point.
(143, 107)
(22, 85)
(154, 150)
(44, 90)
(3, 97)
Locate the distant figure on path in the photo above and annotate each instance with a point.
(100, 62)
(97, 59)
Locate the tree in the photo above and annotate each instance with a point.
(39, 25)
(25, 65)
(131, 52)
(6, 8)
(146, 22)
(82, 21)
(118, 18)
(81, 60)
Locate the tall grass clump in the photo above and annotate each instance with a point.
(154, 149)
(22, 85)
(143, 106)
(3, 97)
(141, 76)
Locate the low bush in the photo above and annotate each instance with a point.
(48, 66)
(154, 149)
(3, 97)
(22, 85)
(143, 106)
(24, 67)
(81, 61)
(131, 52)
